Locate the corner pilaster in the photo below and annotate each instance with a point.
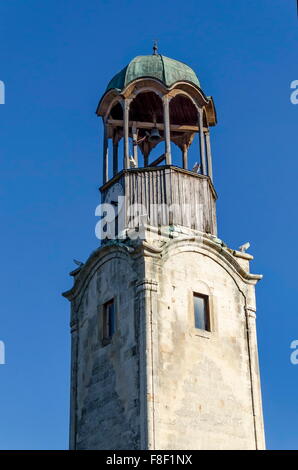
(255, 378)
(147, 302)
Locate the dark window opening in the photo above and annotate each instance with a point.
(109, 321)
(201, 312)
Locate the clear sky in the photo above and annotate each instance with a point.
(56, 58)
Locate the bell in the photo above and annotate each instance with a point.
(154, 135)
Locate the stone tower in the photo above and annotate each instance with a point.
(164, 349)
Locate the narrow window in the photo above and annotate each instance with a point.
(109, 324)
(201, 312)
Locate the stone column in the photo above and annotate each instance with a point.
(147, 292)
(135, 145)
(105, 171)
(167, 133)
(202, 143)
(185, 156)
(115, 153)
(209, 156)
(126, 131)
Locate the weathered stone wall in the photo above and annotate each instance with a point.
(106, 378)
(203, 393)
(162, 383)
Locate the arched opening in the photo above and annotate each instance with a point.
(184, 120)
(146, 116)
(183, 111)
(147, 107)
(115, 135)
(139, 131)
(116, 111)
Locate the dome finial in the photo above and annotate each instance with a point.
(155, 47)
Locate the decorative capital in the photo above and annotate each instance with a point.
(166, 99)
(147, 285)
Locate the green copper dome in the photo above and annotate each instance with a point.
(157, 66)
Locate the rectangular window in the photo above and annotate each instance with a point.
(201, 312)
(109, 323)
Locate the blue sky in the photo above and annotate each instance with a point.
(56, 58)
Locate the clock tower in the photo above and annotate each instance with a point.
(163, 313)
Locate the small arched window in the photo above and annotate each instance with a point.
(201, 311)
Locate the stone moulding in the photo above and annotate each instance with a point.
(100, 256)
(205, 245)
(147, 284)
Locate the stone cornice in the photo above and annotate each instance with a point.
(99, 256)
(213, 246)
(147, 285)
(229, 257)
(164, 248)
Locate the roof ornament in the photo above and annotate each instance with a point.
(155, 47)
